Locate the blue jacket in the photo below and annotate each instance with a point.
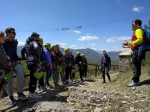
(105, 61)
(11, 48)
(47, 55)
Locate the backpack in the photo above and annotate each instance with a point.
(145, 46)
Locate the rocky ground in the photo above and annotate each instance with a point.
(90, 96)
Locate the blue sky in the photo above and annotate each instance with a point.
(105, 24)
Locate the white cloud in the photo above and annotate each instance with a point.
(21, 43)
(61, 44)
(114, 39)
(87, 38)
(93, 44)
(107, 49)
(73, 47)
(137, 9)
(76, 31)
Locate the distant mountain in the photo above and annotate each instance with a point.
(91, 55)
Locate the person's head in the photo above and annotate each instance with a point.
(47, 45)
(54, 48)
(104, 53)
(70, 53)
(136, 24)
(35, 35)
(57, 47)
(78, 53)
(10, 33)
(82, 55)
(2, 38)
(66, 50)
(40, 41)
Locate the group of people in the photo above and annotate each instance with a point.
(43, 61)
(50, 60)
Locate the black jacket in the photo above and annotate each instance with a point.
(85, 63)
(10, 48)
(33, 50)
(79, 59)
(67, 59)
(4, 59)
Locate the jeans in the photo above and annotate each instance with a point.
(106, 71)
(48, 75)
(54, 75)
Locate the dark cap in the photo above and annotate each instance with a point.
(9, 29)
(34, 34)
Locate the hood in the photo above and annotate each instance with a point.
(30, 39)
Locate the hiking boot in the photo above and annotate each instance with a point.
(34, 95)
(55, 84)
(21, 96)
(134, 84)
(12, 100)
(49, 86)
(103, 82)
(82, 80)
(58, 84)
(38, 89)
(65, 82)
(43, 88)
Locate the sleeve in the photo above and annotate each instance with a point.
(16, 43)
(4, 47)
(139, 35)
(76, 60)
(23, 53)
(101, 62)
(47, 54)
(4, 61)
(109, 61)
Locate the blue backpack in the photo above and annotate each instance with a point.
(146, 45)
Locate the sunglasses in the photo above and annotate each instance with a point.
(13, 33)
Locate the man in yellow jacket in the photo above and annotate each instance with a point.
(136, 41)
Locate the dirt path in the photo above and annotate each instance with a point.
(54, 95)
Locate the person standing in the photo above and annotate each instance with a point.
(136, 40)
(73, 69)
(61, 65)
(46, 49)
(55, 60)
(41, 85)
(33, 54)
(79, 62)
(105, 63)
(84, 66)
(10, 47)
(67, 61)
